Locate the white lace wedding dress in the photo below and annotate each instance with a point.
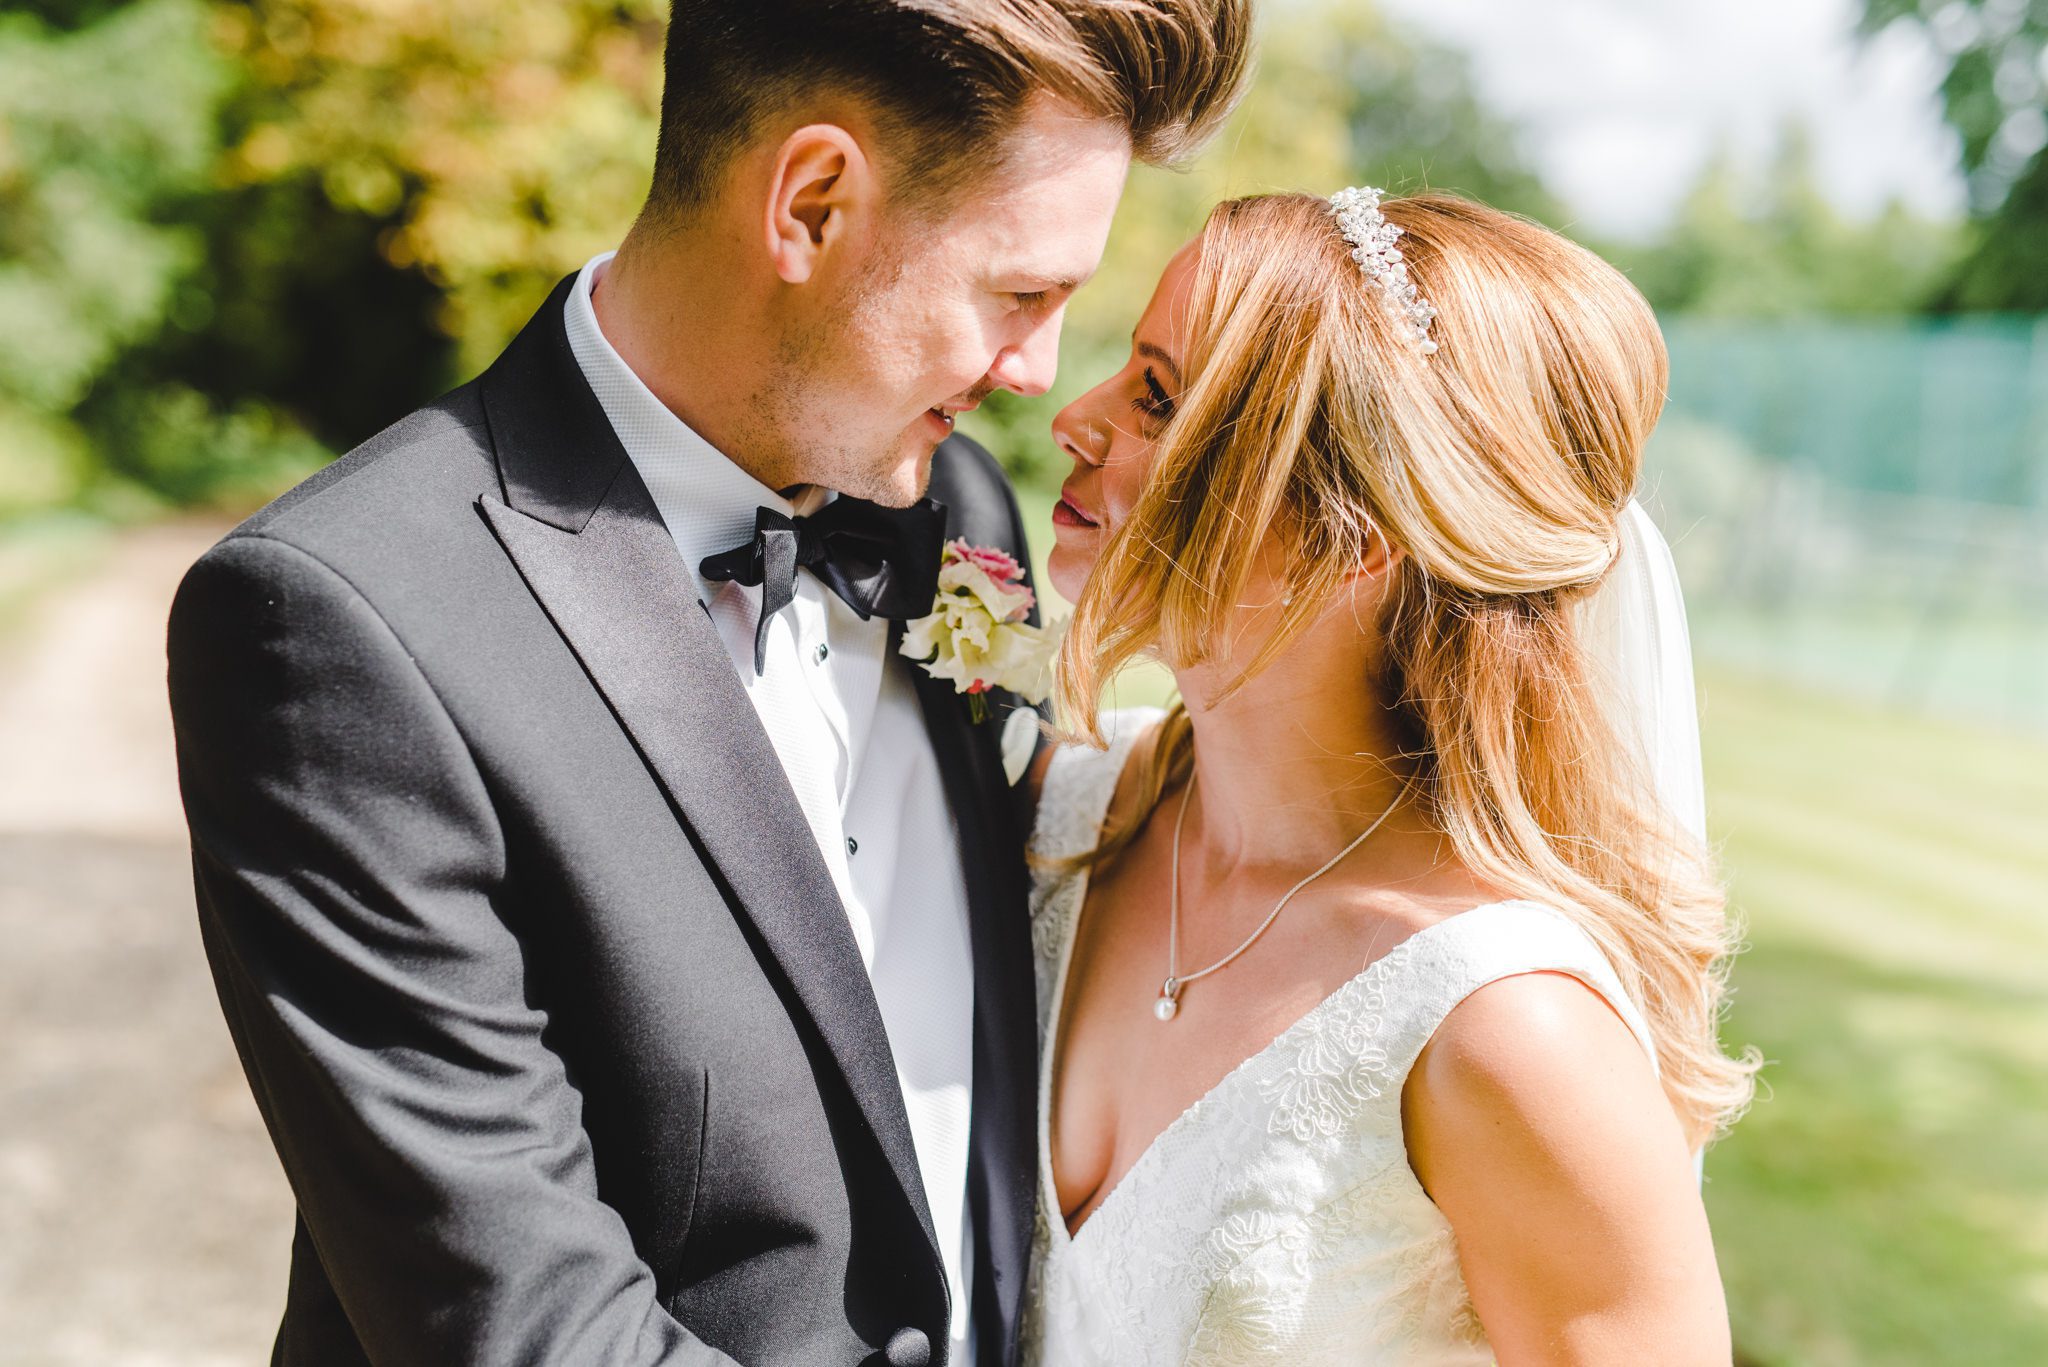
(1277, 1219)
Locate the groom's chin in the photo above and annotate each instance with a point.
(895, 477)
(906, 481)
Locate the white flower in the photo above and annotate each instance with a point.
(976, 634)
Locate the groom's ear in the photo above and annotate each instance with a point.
(821, 187)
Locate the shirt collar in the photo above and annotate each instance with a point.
(706, 500)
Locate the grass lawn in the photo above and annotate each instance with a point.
(1886, 1201)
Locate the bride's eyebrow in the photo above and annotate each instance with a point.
(1172, 367)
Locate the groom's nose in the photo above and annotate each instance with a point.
(1030, 366)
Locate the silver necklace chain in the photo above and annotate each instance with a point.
(1168, 1005)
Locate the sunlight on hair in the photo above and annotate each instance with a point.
(1498, 468)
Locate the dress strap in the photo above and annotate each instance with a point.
(1441, 965)
(1081, 782)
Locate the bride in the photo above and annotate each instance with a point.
(1379, 978)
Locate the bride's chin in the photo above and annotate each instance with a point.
(1067, 566)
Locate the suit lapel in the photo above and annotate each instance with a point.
(1002, 1174)
(1002, 1161)
(585, 535)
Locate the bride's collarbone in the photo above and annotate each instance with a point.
(1123, 1077)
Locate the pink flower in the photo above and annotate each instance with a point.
(991, 575)
(997, 565)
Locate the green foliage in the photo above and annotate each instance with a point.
(108, 132)
(2008, 267)
(1773, 247)
(496, 147)
(1996, 98)
(98, 129)
(182, 447)
(292, 306)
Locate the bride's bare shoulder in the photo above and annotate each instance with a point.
(1535, 1122)
(1532, 1047)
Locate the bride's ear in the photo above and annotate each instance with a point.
(1371, 580)
(1382, 557)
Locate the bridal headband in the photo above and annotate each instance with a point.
(1372, 247)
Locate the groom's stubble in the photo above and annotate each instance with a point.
(796, 401)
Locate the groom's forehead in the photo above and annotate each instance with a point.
(1001, 250)
(1043, 213)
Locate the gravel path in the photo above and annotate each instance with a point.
(143, 1219)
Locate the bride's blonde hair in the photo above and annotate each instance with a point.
(1499, 467)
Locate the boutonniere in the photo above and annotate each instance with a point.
(976, 635)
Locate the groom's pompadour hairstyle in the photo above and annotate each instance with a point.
(944, 78)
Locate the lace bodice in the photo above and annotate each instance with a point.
(1277, 1219)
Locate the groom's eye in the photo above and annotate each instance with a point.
(1155, 403)
(1032, 300)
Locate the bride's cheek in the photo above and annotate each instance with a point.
(1123, 480)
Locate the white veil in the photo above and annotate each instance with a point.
(1634, 627)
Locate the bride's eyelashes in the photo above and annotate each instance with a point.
(1155, 404)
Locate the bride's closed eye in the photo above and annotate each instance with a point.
(1155, 403)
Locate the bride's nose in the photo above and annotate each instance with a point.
(1082, 438)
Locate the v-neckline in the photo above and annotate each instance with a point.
(1048, 1180)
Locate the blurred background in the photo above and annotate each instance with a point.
(237, 238)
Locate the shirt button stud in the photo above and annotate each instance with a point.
(852, 845)
(822, 653)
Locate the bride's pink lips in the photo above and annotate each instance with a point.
(1066, 514)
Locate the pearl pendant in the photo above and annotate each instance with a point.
(1168, 1005)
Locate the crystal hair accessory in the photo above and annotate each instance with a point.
(1372, 241)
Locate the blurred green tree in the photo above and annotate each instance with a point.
(491, 147)
(1996, 98)
(1772, 246)
(109, 136)
(104, 119)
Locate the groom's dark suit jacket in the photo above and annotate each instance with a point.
(538, 976)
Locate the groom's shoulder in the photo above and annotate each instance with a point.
(396, 511)
(981, 506)
(435, 459)
(963, 467)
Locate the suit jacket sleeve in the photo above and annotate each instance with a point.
(346, 855)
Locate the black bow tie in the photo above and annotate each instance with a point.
(881, 561)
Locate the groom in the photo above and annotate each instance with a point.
(630, 969)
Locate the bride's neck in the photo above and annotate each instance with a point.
(1297, 761)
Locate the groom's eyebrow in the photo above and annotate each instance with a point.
(1172, 366)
